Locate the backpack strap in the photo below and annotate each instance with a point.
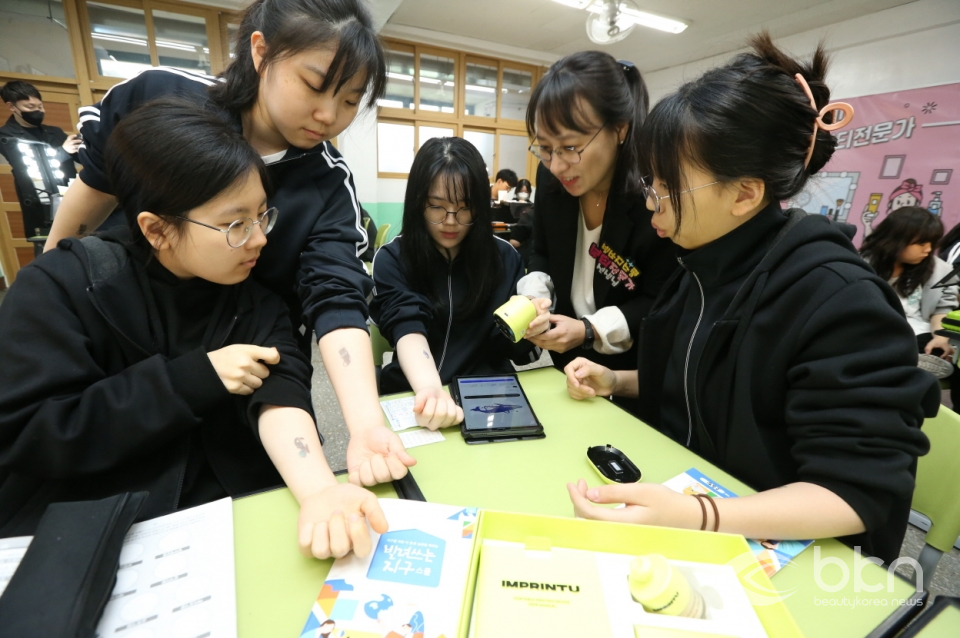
(104, 258)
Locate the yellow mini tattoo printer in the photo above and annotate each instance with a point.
(514, 317)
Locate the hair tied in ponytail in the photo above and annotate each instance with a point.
(843, 107)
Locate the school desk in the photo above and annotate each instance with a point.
(276, 586)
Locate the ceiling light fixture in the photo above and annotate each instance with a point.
(628, 14)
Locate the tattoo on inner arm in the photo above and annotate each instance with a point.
(426, 355)
(82, 230)
(304, 450)
(345, 355)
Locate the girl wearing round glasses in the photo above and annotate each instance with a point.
(148, 359)
(300, 72)
(774, 352)
(595, 255)
(439, 281)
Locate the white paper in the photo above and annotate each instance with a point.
(176, 577)
(11, 553)
(420, 437)
(400, 413)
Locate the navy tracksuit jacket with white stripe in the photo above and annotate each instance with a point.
(311, 258)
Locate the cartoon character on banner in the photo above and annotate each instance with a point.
(908, 193)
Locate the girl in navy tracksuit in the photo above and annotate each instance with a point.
(300, 71)
(438, 283)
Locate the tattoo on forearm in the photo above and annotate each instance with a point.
(82, 230)
(345, 355)
(426, 355)
(304, 450)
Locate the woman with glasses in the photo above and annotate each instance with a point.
(147, 358)
(439, 281)
(775, 352)
(301, 70)
(595, 255)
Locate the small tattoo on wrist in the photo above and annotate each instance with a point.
(345, 355)
(304, 450)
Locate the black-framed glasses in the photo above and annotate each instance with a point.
(438, 215)
(650, 193)
(239, 231)
(568, 154)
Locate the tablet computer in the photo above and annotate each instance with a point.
(495, 408)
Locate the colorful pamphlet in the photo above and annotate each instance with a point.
(411, 586)
(772, 555)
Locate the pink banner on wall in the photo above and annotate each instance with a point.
(902, 149)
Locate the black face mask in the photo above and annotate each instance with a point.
(33, 118)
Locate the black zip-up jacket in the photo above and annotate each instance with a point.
(91, 404)
(638, 262)
(781, 357)
(312, 258)
(460, 346)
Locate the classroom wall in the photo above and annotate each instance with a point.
(907, 47)
(912, 46)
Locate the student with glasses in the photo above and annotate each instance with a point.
(775, 351)
(439, 281)
(302, 69)
(147, 358)
(595, 257)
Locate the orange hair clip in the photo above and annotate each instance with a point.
(846, 109)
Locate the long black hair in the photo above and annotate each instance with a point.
(901, 228)
(170, 156)
(748, 118)
(616, 92)
(459, 167)
(292, 26)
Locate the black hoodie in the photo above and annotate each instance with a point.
(459, 345)
(777, 353)
(103, 391)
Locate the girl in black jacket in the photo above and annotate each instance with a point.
(775, 351)
(594, 252)
(438, 283)
(147, 359)
(300, 71)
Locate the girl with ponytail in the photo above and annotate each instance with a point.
(774, 351)
(301, 71)
(595, 255)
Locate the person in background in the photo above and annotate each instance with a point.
(439, 282)
(301, 70)
(505, 180)
(147, 358)
(522, 230)
(26, 123)
(774, 352)
(595, 256)
(901, 249)
(523, 191)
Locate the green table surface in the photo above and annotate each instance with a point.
(276, 586)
